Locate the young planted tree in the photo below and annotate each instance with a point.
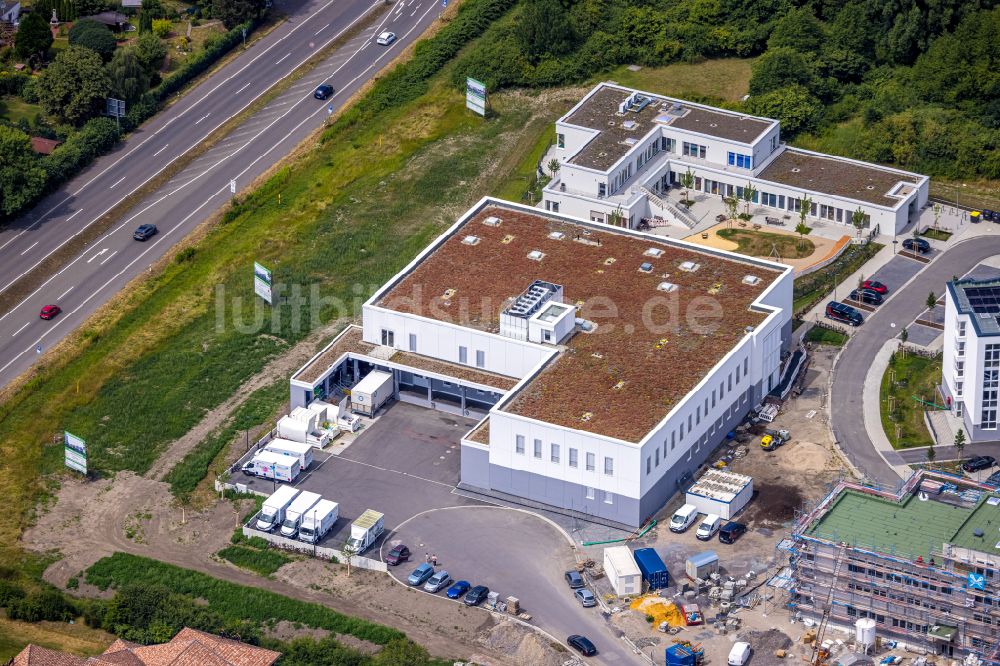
(732, 206)
(749, 193)
(931, 454)
(804, 208)
(616, 218)
(687, 182)
(858, 220)
(554, 166)
(348, 551)
(931, 301)
(937, 214)
(802, 229)
(960, 443)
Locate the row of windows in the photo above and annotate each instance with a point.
(694, 150)
(741, 161)
(555, 453)
(991, 384)
(389, 340)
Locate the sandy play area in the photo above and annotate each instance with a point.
(824, 247)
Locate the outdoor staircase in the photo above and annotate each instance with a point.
(683, 217)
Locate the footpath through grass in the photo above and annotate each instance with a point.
(908, 380)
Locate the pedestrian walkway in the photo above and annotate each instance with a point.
(872, 410)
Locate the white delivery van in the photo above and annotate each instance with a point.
(293, 515)
(684, 518)
(708, 527)
(318, 520)
(373, 391)
(300, 450)
(273, 511)
(739, 654)
(270, 465)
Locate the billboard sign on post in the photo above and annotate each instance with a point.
(262, 282)
(76, 452)
(116, 108)
(475, 96)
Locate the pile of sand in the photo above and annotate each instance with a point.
(523, 645)
(660, 609)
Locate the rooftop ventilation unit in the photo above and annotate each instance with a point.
(654, 252)
(751, 280)
(631, 141)
(492, 221)
(645, 267)
(536, 255)
(557, 235)
(668, 287)
(532, 299)
(470, 240)
(630, 124)
(689, 266)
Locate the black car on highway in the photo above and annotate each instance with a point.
(979, 463)
(144, 232)
(917, 245)
(323, 91)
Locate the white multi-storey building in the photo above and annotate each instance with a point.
(620, 149)
(605, 364)
(971, 355)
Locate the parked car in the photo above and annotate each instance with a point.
(875, 285)
(979, 463)
(916, 245)
(843, 313)
(458, 590)
(991, 215)
(730, 532)
(574, 579)
(323, 91)
(582, 645)
(477, 595)
(397, 555)
(437, 582)
(50, 312)
(420, 575)
(866, 296)
(739, 654)
(993, 481)
(708, 527)
(585, 597)
(144, 232)
(386, 38)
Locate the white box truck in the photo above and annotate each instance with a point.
(293, 514)
(270, 465)
(273, 511)
(300, 450)
(318, 521)
(366, 530)
(371, 392)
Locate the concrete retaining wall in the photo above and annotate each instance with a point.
(316, 551)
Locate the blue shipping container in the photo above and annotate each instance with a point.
(654, 571)
(679, 655)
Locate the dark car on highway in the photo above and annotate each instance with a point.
(916, 245)
(144, 232)
(397, 555)
(477, 595)
(323, 91)
(50, 312)
(866, 296)
(582, 644)
(845, 313)
(574, 579)
(979, 463)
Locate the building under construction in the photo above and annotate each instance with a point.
(924, 564)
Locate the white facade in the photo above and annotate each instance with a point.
(622, 571)
(720, 166)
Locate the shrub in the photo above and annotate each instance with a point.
(264, 562)
(162, 27)
(10, 593)
(49, 604)
(95, 36)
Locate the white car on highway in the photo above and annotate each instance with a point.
(386, 38)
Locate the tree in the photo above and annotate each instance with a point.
(960, 443)
(402, 652)
(802, 229)
(931, 301)
(794, 105)
(798, 29)
(150, 51)
(129, 79)
(95, 36)
(732, 206)
(544, 29)
(858, 220)
(687, 181)
(162, 27)
(22, 177)
(749, 193)
(780, 68)
(554, 166)
(930, 454)
(234, 12)
(348, 551)
(74, 86)
(805, 205)
(616, 218)
(33, 37)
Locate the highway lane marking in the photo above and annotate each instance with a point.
(414, 12)
(20, 329)
(202, 118)
(109, 256)
(282, 59)
(74, 215)
(97, 255)
(247, 85)
(29, 249)
(65, 293)
(118, 182)
(321, 29)
(67, 317)
(161, 149)
(49, 212)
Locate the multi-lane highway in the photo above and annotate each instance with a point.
(93, 273)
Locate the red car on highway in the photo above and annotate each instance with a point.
(875, 286)
(50, 312)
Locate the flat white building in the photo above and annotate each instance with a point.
(606, 364)
(620, 149)
(971, 355)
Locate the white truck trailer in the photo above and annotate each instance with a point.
(300, 450)
(366, 530)
(296, 510)
(373, 391)
(270, 465)
(273, 511)
(318, 521)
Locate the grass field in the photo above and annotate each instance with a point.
(725, 79)
(936, 234)
(825, 336)
(14, 109)
(264, 562)
(762, 243)
(74, 638)
(915, 376)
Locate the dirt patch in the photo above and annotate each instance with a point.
(522, 646)
(766, 643)
(774, 505)
(288, 631)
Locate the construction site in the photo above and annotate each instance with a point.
(914, 571)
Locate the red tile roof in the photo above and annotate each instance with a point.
(33, 655)
(44, 146)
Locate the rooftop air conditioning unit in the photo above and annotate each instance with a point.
(751, 280)
(492, 221)
(470, 240)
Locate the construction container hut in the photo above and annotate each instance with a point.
(622, 571)
(653, 570)
(700, 565)
(720, 492)
(680, 655)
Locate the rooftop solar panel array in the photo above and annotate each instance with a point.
(984, 300)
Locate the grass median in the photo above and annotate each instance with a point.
(909, 387)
